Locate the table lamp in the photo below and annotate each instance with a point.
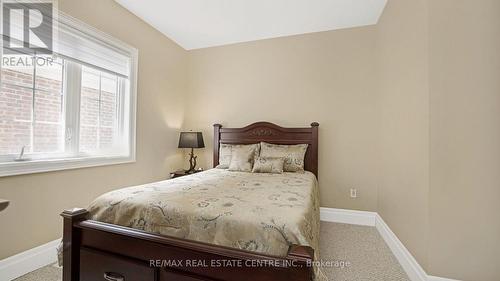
(191, 140)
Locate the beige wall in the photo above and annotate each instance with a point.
(465, 139)
(439, 69)
(368, 89)
(36, 200)
(326, 77)
(402, 69)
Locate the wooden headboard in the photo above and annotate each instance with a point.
(271, 133)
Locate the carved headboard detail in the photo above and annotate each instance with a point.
(271, 133)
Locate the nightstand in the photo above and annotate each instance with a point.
(182, 173)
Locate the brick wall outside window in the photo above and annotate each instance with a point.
(16, 115)
(97, 130)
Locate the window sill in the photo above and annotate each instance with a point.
(40, 166)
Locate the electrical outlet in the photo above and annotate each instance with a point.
(354, 193)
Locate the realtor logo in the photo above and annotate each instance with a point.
(27, 28)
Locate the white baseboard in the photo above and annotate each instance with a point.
(412, 268)
(27, 261)
(348, 216)
(434, 278)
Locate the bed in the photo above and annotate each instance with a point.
(213, 225)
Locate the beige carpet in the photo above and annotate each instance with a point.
(362, 246)
(351, 253)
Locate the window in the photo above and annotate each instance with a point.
(73, 108)
(98, 111)
(31, 107)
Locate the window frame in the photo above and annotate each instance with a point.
(65, 161)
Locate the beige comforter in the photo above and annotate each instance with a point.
(263, 213)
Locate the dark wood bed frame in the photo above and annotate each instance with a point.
(94, 251)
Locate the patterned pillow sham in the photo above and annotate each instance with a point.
(242, 158)
(293, 155)
(272, 165)
(225, 152)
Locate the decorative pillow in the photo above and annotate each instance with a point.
(242, 158)
(224, 156)
(268, 165)
(225, 152)
(293, 155)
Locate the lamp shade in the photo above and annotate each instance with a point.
(191, 140)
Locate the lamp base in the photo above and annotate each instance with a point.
(192, 162)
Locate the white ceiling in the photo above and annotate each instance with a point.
(195, 24)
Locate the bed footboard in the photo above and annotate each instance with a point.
(99, 251)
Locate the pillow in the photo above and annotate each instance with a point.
(293, 155)
(272, 165)
(225, 152)
(242, 158)
(224, 156)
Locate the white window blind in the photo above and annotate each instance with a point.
(79, 45)
(75, 41)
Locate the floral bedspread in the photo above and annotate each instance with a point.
(263, 213)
